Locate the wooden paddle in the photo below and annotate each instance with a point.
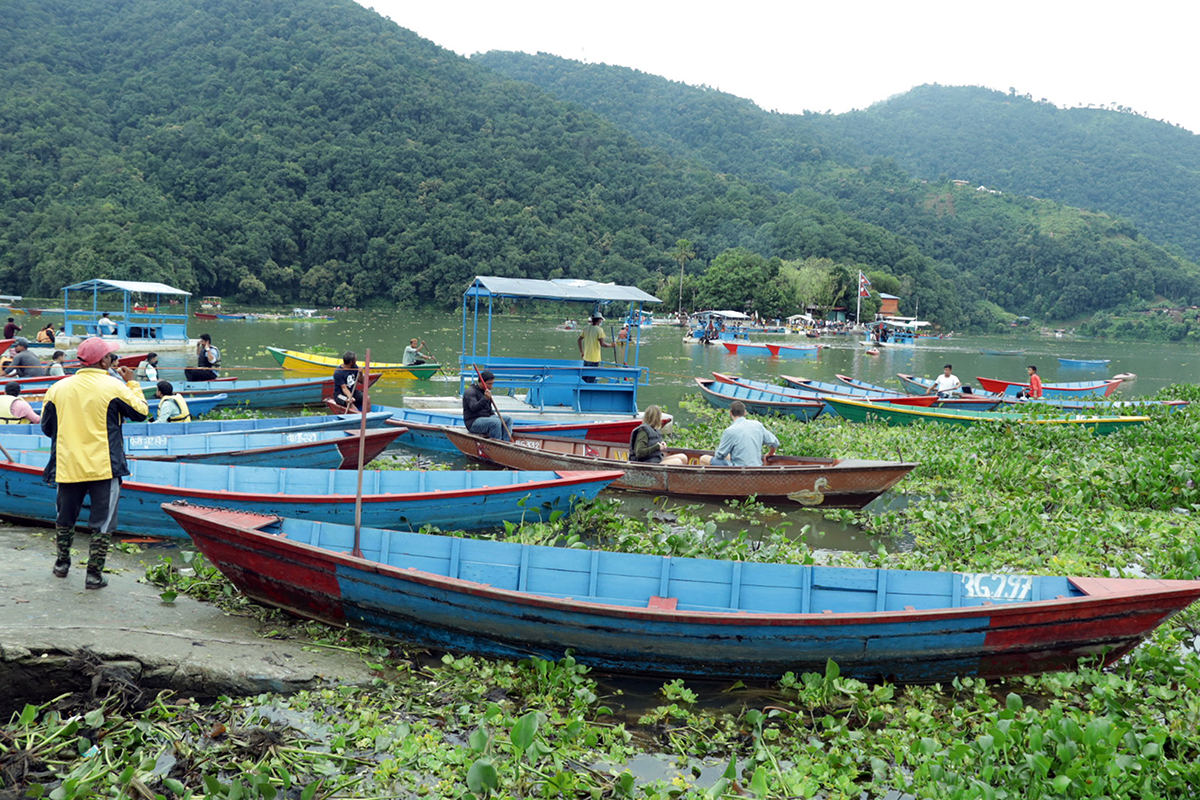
(503, 424)
(362, 446)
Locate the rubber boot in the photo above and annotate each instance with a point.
(97, 555)
(63, 538)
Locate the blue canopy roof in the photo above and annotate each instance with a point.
(568, 289)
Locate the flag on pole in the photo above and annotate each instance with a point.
(864, 285)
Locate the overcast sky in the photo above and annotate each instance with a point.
(835, 56)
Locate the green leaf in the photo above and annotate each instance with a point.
(482, 776)
(478, 740)
(28, 715)
(94, 718)
(832, 671)
(524, 731)
(168, 596)
(758, 784)
(1014, 702)
(310, 790)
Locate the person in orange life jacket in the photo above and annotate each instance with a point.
(14, 410)
(82, 415)
(171, 407)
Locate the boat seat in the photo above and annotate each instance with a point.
(662, 603)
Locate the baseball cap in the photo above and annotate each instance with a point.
(91, 351)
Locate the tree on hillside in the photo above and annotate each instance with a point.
(682, 254)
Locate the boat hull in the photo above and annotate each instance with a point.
(1072, 389)
(856, 411)
(400, 500)
(722, 395)
(823, 482)
(679, 617)
(296, 361)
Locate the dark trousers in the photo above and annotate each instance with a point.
(199, 374)
(104, 495)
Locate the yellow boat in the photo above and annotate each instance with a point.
(296, 361)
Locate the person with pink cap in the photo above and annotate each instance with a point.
(82, 415)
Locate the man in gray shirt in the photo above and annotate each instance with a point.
(25, 364)
(742, 442)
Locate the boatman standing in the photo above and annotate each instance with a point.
(591, 340)
(82, 415)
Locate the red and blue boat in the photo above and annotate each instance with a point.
(679, 617)
(395, 499)
(269, 393)
(197, 406)
(1102, 388)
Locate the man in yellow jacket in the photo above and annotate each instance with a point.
(82, 415)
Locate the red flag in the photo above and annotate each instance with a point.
(864, 286)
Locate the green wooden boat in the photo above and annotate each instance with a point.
(856, 411)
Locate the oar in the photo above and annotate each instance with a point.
(5, 451)
(362, 446)
(431, 355)
(503, 424)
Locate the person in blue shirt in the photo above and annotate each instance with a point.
(742, 442)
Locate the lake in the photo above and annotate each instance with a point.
(673, 365)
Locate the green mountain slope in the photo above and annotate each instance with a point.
(1030, 256)
(1120, 163)
(314, 150)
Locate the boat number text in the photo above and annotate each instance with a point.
(529, 444)
(147, 441)
(300, 438)
(1000, 587)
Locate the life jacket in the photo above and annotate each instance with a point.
(184, 414)
(6, 415)
(654, 437)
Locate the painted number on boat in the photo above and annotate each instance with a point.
(155, 442)
(528, 444)
(997, 587)
(301, 437)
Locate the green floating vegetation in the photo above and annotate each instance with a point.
(994, 498)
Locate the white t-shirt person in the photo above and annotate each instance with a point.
(946, 383)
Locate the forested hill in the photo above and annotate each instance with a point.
(1030, 256)
(1105, 159)
(312, 149)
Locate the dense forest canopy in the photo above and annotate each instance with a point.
(1023, 254)
(311, 150)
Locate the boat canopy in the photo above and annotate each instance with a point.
(566, 289)
(130, 323)
(723, 314)
(599, 388)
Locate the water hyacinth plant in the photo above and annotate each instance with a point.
(996, 498)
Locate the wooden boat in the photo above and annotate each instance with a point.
(808, 394)
(722, 395)
(297, 361)
(320, 449)
(399, 499)
(1084, 362)
(271, 393)
(1083, 403)
(1072, 389)
(794, 351)
(969, 400)
(858, 411)
(214, 317)
(680, 617)
(426, 428)
(198, 406)
(824, 482)
(748, 349)
(1001, 352)
(137, 430)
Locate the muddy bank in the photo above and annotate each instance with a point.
(56, 637)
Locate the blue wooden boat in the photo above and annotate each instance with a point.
(791, 391)
(334, 422)
(968, 400)
(269, 393)
(1090, 363)
(680, 617)
(312, 449)
(197, 406)
(722, 395)
(399, 499)
(747, 348)
(1082, 403)
(794, 350)
(426, 429)
(1001, 352)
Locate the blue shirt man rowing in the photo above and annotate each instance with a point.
(742, 442)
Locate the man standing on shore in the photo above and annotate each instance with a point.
(82, 415)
